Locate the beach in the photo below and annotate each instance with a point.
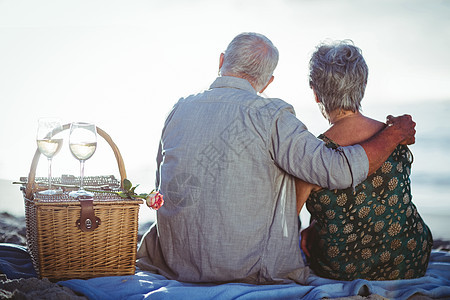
(123, 64)
(13, 230)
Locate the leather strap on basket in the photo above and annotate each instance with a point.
(87, 221)
(37, 154)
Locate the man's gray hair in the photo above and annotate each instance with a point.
(251, 56)
(338, 74)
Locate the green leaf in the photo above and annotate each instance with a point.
(123, 194)
(127, 184)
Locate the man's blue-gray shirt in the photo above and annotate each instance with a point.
(226, 167)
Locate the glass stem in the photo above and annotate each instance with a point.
(81, 174)
(49, 173)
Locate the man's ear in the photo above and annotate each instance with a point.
(315, 96)
(221, 60)
(269, 82)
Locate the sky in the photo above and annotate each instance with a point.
(123, 64)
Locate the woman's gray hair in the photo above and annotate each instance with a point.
(338, 74)
(251, 56)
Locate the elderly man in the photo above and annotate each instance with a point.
(226, 167)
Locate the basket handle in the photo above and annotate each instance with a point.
(103, 134)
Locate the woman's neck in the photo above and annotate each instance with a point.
(349, 128)
(339, 115)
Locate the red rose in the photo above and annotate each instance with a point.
(154, 200)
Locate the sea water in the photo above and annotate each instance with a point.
(430, 172)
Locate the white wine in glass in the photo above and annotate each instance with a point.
(82, 144)
(49, 143)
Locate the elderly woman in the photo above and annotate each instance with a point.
(373, 232)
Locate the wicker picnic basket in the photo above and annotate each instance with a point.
(70, 238)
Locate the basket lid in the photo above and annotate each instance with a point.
(103, 188)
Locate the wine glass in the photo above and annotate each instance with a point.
(82, 144)
(49, 143)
